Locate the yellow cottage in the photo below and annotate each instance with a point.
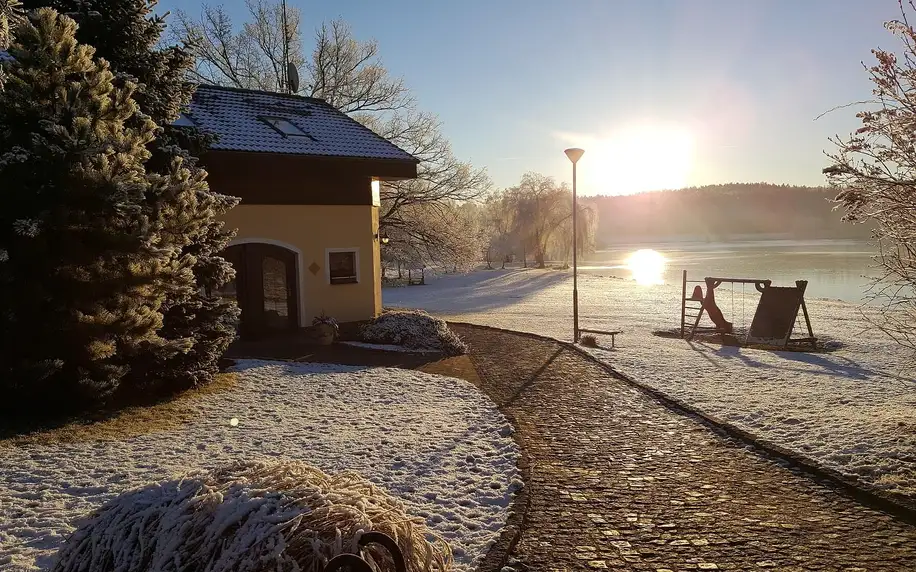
(308, 177)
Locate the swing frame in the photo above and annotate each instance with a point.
(714, 282)
(711, 284)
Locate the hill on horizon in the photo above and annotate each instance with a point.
(723, 212)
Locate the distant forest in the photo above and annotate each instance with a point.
(722, 212)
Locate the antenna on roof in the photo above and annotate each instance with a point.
(291, 75)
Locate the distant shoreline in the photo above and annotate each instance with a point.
(721, 212)
(730, 239)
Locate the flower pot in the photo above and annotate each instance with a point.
(324, 334)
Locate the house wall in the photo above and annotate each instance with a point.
(265, 179)
(310, 230)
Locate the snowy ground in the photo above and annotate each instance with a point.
(853, 410)
(434, 441)
(388, 348)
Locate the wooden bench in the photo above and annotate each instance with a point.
(603, 332)
(411, 281)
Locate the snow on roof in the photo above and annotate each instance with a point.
(258, 121)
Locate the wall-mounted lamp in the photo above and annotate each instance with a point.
(383, 238)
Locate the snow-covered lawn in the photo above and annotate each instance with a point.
(853, 410)
(433, 441)
(387, 348)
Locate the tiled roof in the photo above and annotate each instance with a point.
(236, 117)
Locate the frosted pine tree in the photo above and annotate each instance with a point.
(85, 264)
(127, 34)
(10, 14)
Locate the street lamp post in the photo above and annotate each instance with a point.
(574, 155)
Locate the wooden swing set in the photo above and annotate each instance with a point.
(774, 319)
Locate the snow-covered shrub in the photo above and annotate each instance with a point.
(413, 329)
(249, 517)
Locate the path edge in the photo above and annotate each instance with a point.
(500, 552)
(873, 497)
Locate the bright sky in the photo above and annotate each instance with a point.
(660, 93)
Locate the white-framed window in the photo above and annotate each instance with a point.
(284, 126)
(342, 265)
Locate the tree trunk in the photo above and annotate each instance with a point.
(400, 271)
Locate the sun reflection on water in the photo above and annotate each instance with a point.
(647, 266)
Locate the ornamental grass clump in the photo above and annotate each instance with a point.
(249, 517)
(589, 341)
(413, 329)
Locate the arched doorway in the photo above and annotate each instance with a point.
(265, 287)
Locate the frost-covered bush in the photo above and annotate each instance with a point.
(413, 329)
(249, 517)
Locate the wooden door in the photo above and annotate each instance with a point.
(266, 288)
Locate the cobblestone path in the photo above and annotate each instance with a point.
(617, 481)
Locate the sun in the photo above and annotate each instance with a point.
(640, 158)
(647, 267)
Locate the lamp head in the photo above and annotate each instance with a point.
(574, 154)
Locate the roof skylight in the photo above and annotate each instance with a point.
(284, 126)
(184, 121)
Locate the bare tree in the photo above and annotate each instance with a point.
(460, 246)
(441, 177)
(251, 58)
(490, 228)
(875, 172)
(445, 234)
(345, 72)
(542, 206)
(348, 74)
(586, 230)
(499, 215)
(536, 216)
(274, 32)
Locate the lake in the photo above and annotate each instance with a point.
(835, 269)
